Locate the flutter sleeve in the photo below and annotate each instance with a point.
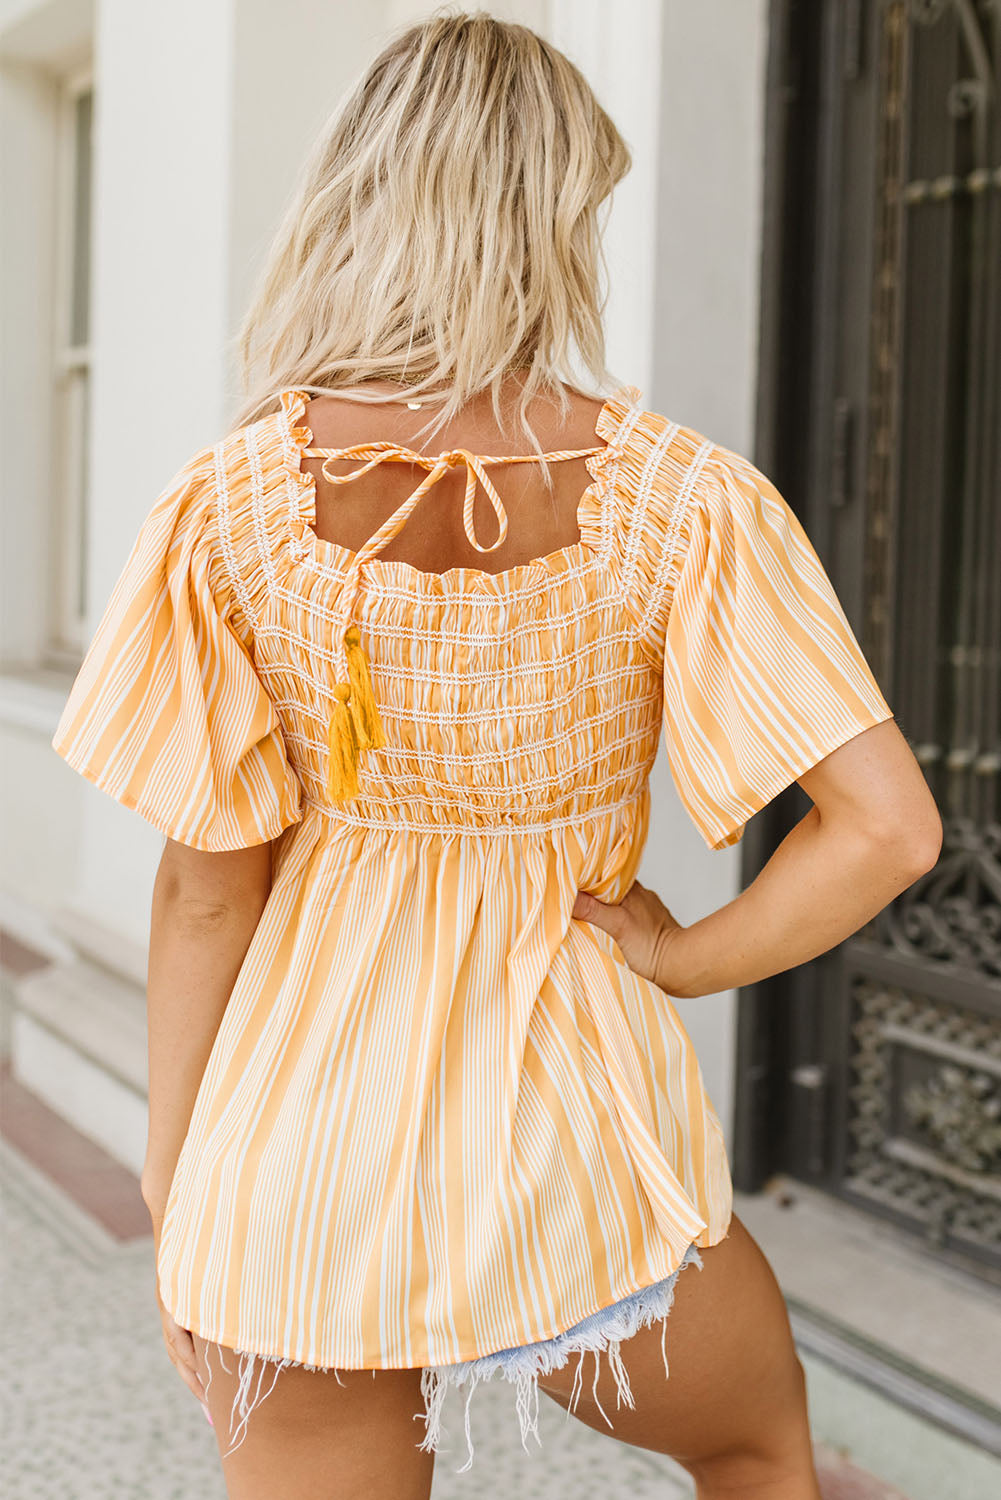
(167, 713)
(763, 676)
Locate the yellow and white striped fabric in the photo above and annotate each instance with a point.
(441, 1117)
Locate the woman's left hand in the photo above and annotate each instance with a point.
(641, 925)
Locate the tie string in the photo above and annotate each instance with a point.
(437, 465)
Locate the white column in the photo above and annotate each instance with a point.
(293, 65)
(617, 48)
(709, 194)
(162, 188)
(684, 84)
(705, 313)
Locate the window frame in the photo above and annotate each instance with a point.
(66, 616)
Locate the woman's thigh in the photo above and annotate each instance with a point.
(734, 1402)
(349, 1434)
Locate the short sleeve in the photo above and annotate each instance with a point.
(763, 676)
(167, 713)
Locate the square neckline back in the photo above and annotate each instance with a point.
(333, 559)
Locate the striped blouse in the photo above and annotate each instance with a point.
(441, 1117)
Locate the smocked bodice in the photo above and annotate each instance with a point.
(578, 727)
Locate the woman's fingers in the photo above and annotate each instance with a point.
(182, 1352)
(181, 1349)
(603, 914)
(640, 925)
(582, 907)
(637, 907)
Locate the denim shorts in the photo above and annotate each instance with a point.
(602, 1332)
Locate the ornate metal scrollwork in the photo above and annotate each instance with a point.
(968, 96)
(924, 1116)
(927, 12)
(953, 913)
(960, 1113)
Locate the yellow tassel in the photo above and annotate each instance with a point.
(364, 712)
(343, 744)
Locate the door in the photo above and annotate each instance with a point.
(874, 1072)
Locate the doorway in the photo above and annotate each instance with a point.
(874, 1072)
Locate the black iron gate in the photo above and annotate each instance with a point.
(875, 1071)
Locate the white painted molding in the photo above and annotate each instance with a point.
(33, 927)
(102, 944)
(26, 703)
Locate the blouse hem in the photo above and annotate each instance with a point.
(601, 1331)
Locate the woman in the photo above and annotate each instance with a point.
(422, 1111)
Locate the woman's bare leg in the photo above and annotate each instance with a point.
(313, 1436)
(733, 1410)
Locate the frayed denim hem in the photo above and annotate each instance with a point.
(600, 1332)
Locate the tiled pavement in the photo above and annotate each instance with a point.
(95, 1411)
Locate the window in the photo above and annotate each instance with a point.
(72, 372)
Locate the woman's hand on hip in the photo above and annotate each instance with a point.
(640, 924)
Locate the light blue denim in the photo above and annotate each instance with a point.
(600, 1332)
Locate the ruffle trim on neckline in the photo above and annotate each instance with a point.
(334, 559)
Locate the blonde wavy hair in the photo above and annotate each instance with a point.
(443, 230)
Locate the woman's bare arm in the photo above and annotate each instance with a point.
(206, 908)
(873, 829)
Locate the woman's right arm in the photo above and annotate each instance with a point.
(873, 830)
(206, 907)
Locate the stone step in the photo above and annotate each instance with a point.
(902, 1353)
(77, 1040)
(842, 1480)
(103, 1195)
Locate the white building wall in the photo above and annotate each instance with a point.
(685, 84)
(41, 813)
(302, 58)
(27, 156)
(704, 313)
(162, 189)
(205, 109)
